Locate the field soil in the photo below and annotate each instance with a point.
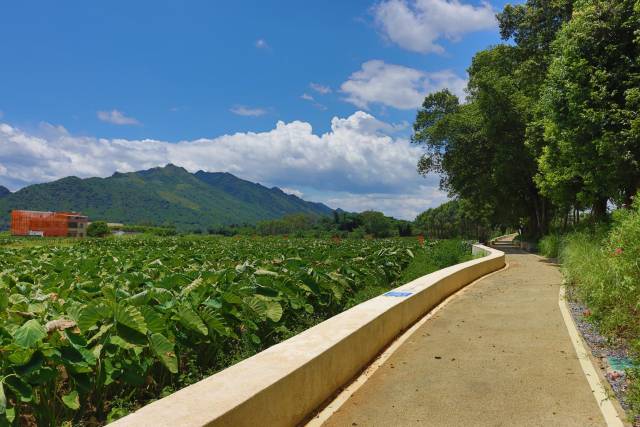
(497, 354)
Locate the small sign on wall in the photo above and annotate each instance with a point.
(397, 294)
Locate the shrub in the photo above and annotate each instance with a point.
(98, 229)
(603, 268)
(437, 255)
(376, 224)
(550, 245)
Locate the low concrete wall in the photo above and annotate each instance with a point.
(284, 384)
(510, 236)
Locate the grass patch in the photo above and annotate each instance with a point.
(549, 246)
(441, 254)
(603, 268)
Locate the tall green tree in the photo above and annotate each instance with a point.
(486, 150)
(479, 149)
(377, 224)
(590, 106)
(455, 218)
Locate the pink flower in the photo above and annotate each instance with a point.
(618, 251)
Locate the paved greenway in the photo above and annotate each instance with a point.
(498, 354)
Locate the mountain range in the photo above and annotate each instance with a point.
(168, 195)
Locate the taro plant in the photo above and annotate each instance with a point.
(94, 329)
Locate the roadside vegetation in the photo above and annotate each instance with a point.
(94, 328)
(600, 264)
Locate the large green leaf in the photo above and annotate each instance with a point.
(91, 314)
(29, 334)
(214, 321)
(130, 317)
(72, 400)
(21, 389)
(140, 298)
(80, 345)
(164, 349)
(3, 399)
(21, 356)
(190, 319)
(258, 306)
(274, 310)
(154, 320)
(263, 272)
(192, 286)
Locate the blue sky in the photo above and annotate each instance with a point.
(85, 79)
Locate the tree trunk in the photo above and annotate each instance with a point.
(599, 209)
(629, 195)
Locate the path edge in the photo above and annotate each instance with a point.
(599, 389)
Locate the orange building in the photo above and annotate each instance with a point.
(48, 224)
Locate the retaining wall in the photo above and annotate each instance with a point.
(284, 384)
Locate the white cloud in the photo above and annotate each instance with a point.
(321, 89)
(313, 101)
(397, 86)
(262, 44)
(292, 191)
(417, 25)
(404, 205)
(247, 111)
(356, 163)
(116, 117)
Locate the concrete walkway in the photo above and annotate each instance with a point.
(498, 354)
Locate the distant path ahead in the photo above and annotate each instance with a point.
(499, 354)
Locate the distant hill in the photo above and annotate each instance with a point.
(161, 196)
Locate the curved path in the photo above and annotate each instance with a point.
(498, 354)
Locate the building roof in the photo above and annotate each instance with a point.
(50, 213)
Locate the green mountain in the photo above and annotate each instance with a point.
(161, 196)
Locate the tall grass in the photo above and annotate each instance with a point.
(435, 257)
(604, 269)
(550, 245)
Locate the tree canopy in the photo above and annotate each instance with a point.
(550, 121)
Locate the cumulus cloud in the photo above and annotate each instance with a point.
(321, 89)
(417, 25)
(307, 97)
(397, 86)
(354, 164)
(403, 205)
(116, 117)
(241, 110)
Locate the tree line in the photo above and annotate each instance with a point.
(550, 126)
(340, 224)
